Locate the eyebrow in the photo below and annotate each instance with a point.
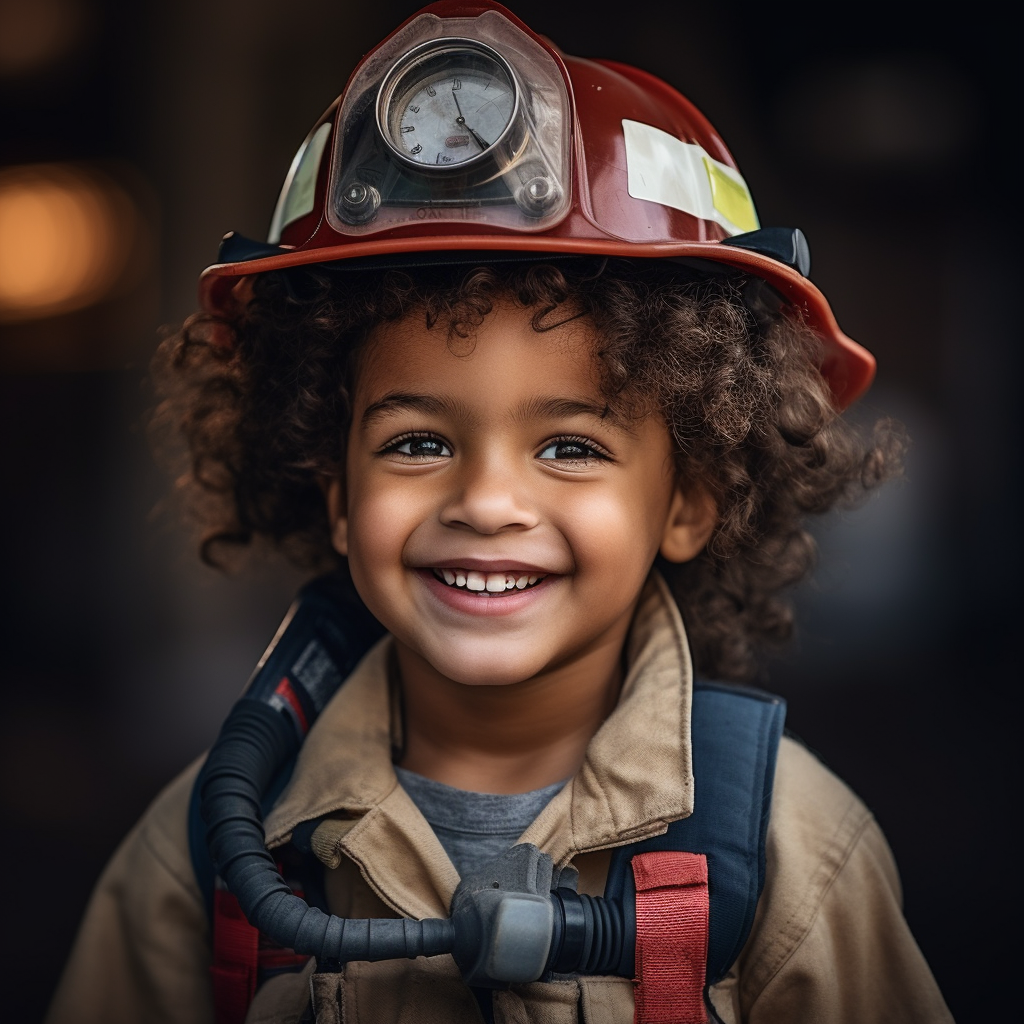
(536, 408)
(556, 408)
(399, 401)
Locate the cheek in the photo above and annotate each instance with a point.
(375, 546)
(374, 529)
(383, 512)
(619, 531)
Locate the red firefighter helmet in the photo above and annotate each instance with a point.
(465, 134)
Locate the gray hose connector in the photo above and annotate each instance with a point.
(254, 742)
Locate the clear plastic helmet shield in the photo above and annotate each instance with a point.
(450, 120)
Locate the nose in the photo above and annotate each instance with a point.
(490, 496)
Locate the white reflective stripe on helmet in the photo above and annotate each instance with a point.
(663, 169)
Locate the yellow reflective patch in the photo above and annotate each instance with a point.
(730, 197)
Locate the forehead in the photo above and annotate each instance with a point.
(504, 353)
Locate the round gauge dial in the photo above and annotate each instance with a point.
(447, 104)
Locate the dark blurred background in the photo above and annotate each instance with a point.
(133, 135)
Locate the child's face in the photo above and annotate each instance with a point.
(497, 468)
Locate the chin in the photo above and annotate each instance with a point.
(483, 668)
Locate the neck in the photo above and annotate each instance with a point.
(506, 739)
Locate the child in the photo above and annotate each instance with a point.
(560, 407)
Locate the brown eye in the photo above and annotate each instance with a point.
(425, 447)
(570, 449)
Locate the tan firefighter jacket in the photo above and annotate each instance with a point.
(829, 943)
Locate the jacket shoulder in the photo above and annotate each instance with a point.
(815, 815)
(163, 828)
(142, 951)
(829, 941)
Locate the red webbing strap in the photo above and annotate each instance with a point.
(235, 959)
(671, 937)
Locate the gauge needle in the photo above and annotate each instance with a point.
(461, 120)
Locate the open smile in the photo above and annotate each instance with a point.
(488, 584)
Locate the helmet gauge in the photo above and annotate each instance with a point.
(451, 103)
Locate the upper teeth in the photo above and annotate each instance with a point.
(492, 582)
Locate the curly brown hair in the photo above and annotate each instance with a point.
(264, 417)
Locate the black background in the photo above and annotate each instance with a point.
(885, 131)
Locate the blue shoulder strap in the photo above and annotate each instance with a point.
(735, 733)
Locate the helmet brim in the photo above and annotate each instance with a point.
(848, 367)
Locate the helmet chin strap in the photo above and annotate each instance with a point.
(513, 921)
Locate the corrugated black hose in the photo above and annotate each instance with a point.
(254, 742)
(318, 645)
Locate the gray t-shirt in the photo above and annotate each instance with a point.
(474, 828)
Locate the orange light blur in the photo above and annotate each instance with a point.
(65, 238)
(36, 34)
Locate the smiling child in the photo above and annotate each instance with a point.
(499, 518)
(568, 474)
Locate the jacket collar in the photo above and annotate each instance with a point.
(635, 779)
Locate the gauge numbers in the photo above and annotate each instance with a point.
(448, 107)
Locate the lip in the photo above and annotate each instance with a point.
(471, 603)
